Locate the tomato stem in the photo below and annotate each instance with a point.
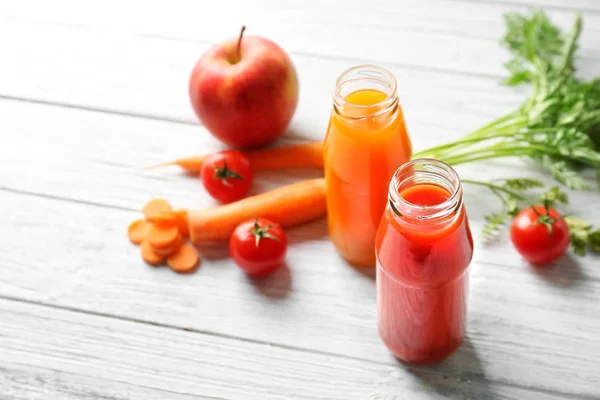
(224, 173)
(546, 219)
(261, 233)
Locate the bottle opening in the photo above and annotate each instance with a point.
(426, 190)
(365, 91)
(425, 194)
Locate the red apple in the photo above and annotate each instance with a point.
(244, 91)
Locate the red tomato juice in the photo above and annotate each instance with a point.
(422, 279)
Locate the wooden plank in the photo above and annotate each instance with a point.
(77, 256)
(100, 158)
(24, 381)
(587, 6)
(149, 77)
(120, 61)
(186, 19)
(89, 166)
(52, 353)
(326, 26)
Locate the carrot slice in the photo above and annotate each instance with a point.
(167, 251)
(138, 230)
(155, 206)
(149, 255)
(183, 260)
(191, 164)
(162, 237)
(173, 218)
(164, 219)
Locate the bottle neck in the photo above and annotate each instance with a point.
(431, 173)
(380, 101)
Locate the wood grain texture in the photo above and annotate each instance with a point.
(317, 303)
(24, 380)
(97, 157)
(71, 181)
(136, 361)
(587, 6)
(101, 70)
(96, 50)
(327, 28)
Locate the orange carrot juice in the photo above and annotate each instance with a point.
(366, 142)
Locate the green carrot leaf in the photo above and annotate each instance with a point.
(522, 183)
(553, 195)
(556, 126)
(582, 236)
(493, 224)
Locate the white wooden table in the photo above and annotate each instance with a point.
(91, 92)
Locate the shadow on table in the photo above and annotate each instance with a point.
(309, 231)
(369, 272)
(461, 376)
(276, 285)
(214, 251)
(564, 272)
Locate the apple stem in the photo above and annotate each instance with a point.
(239, 44)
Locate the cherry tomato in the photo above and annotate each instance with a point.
(227, 175)
(258, 246)
(540, 234)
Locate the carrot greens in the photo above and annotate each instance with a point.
(557, 126)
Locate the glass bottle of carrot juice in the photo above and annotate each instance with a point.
(424, 247)
(366, 142)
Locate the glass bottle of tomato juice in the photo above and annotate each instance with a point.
(424, 247)
(366, 142)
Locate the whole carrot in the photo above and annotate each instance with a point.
(190, 164)
(305, 155)
(288, 206)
